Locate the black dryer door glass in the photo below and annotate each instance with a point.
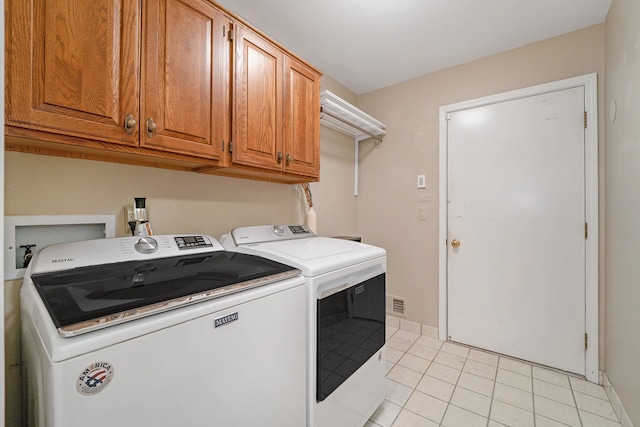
(351, 329)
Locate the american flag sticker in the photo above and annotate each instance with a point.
(94, 378)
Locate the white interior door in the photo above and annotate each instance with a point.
(516, 204)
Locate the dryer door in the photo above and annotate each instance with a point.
(350, 329)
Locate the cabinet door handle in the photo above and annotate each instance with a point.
(279, 157)
(129, 124)
(288, 159)
(151, 127)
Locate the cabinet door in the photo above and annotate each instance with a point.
(72, 67)
(185, 73)
(257, 102)
(301, 119)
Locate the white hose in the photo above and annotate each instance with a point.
(311, 220)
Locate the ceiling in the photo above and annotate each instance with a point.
(369, 44)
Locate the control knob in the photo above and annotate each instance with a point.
(146, 245)
(278, 230)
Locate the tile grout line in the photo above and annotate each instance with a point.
(385, 377)
(454, 386)
(533, 397)
(493, 392)
(491, 398)
(396, 364)
(573, 394)
(425, 374)
(414, 388)
(387, 373)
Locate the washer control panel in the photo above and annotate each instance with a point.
(191, 242)
(66, 256)
(146, 245)
(278, 230)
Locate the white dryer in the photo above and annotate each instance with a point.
(345, 317)
(161, 331)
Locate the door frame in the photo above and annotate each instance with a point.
(589, 82)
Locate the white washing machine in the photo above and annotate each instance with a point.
(161, 331)
(345, 317)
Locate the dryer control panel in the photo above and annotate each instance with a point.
(264, 233)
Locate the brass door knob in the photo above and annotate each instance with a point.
(455, 243)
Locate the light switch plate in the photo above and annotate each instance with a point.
(422, 183)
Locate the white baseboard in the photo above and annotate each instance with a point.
(415, 327)
(625, 421)
(393, 322)
(430, 331)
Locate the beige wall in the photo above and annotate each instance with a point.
(177, 202)
(622, 86)
(388, 201)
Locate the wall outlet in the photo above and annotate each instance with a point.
(128, 216)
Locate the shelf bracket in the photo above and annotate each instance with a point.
(340, 115)
(356, 140)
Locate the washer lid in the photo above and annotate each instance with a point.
(92, 297)
(316, 255)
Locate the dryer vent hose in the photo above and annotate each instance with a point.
(307, 193)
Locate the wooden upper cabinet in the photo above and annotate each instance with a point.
(301, 119)
(257, 123)
(277, 108)
(168, 83)
(185, 78)
(72, 67)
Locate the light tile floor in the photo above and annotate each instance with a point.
(432, 383)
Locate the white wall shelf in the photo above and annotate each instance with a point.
(338, 114)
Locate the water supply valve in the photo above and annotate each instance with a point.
(27, 254)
